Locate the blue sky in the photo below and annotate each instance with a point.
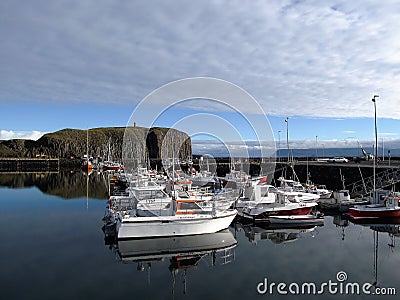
(84, 64)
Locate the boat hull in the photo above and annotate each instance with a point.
(145, 227)
(370, 212)
(304, 210)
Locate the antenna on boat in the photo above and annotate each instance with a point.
(342, 178)
(173, 171)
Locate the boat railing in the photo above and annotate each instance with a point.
(122, 193)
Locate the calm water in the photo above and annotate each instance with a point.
(53, 248)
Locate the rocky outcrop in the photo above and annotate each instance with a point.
(102, 142)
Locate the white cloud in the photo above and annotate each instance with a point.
(28, 135)
(309, 58)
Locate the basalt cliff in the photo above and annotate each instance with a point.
(106, 143)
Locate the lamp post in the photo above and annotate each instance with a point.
(287, 138)
(279, 145)
(376, 139)
(316, 147)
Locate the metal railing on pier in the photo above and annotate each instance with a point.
(382, 180)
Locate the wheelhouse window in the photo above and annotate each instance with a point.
(188, 206)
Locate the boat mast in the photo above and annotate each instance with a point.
(87, 148)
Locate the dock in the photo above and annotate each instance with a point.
(17, 165)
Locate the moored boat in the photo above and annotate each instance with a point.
(382, 206)
(260, 201)
(136, 217)
(112, 166)
(181, 224)
(295, 189)
(315, 219)
(341, 200)
(389, 209)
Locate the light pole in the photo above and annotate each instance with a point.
(287, 138)
(316, 147)
(376, 140)
(279, 145)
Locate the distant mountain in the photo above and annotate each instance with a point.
(252, 149)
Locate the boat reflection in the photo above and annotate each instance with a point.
(390, 226)
(342, 222)
(379, 227)
(183, 252)
(277, 234)
(159, 248)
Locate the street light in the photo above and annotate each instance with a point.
(287, 138)
(279, 145)
(376, 138)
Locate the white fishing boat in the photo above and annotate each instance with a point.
(236, 179)
(295, 189)
(340, 200)
(136, 217)
(260, 201)
(314, 219)
(290, 185)
(205, 178)
(179, 224)
(318, 189)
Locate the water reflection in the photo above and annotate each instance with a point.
(66, 185)
(366, 252)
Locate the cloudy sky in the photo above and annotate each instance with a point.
(83, 64)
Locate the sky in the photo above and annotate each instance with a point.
(85, 64)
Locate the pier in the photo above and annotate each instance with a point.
(353, 176)
(29, 164)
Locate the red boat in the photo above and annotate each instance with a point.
(112, 166)
(388, 209)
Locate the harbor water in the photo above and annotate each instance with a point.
(53, 247)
